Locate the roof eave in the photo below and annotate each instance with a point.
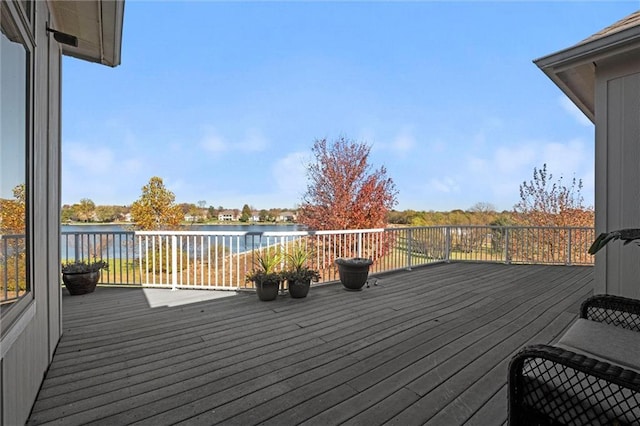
(573, 69)
(98, 25)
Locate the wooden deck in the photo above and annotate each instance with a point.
(426, 346)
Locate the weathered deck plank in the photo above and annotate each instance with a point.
(426, 346)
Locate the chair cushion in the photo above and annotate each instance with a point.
(605, 342)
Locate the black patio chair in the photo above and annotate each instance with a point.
(591, 376)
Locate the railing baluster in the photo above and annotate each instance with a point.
(174, 262)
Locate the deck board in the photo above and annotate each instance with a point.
(428, 346)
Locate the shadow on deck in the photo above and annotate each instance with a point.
(426, 346)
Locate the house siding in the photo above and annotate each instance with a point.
(617, 194)
(27, 357)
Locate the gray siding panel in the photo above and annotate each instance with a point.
(54, 296)
(618, 172)
(26, 360)
(22, 373)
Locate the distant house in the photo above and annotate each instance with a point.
(228, 216)
(287, 216)
(255, 216)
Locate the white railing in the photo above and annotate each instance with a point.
(221, 260)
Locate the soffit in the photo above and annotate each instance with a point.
(573, 69)
(96, 23)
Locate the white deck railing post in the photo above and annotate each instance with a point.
(174, 262)
(409, 248)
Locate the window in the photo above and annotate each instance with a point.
(14, 142)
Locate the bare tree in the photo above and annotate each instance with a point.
(544, 202)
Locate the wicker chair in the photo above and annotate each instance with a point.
(590, 377)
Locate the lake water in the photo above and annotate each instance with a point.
(109, 227)
(69, 242)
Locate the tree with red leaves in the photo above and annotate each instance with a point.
(343, 192)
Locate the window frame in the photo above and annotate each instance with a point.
(14, 19)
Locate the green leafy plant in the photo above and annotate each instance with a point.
(297, 258)
(296, 266)
(81, 266)
(266, 264)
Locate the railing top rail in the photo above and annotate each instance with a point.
(96, 232)
(307, 233)
(204, 233)
(490, 227)
(348, 231)
(225, 233)
(261, 233)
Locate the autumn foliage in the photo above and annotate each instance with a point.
(13, 212)
(550, 205)
(13, 263)
(343, 192)
(156, 208)
(544, 202)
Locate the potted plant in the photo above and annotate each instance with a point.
(353, 271)
(297, 274)
(265, 277)
(81, 277)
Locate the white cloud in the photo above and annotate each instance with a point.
(574, 111)
(214, 143)
(478, 165)
(403, 143)
(289, 174)
(508, 160)
(254, 141)
(566, 158)
(446, 185)
(93, 160)
(489, 125)
(497, 175)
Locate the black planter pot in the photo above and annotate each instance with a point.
(267, 289)
(299, 289)
(81, 282)
(353, 271)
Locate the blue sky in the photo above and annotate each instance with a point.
(223, 100)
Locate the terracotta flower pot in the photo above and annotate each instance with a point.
(353, 271)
